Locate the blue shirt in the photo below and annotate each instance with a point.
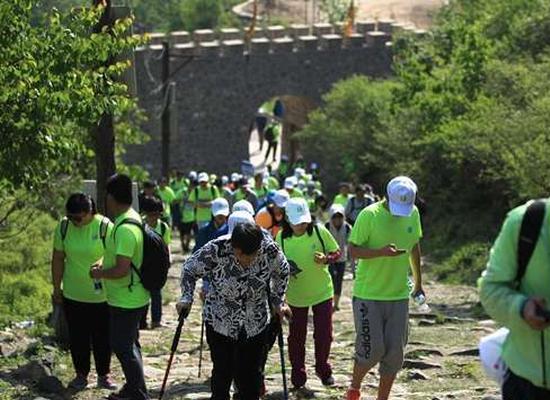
(208, 233)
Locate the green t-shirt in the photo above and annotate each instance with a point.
(261, 192)
(126, 240)
(187, 208)
(167, 196)
(177, 185)
(83, 248)
(341, 199)
(273, 183)
(384, 278)
(167, 237)
(207, 194)
(296, 193)
(313, 285)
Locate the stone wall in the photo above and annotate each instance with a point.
(224, 81)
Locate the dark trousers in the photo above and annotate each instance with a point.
(88, 331)
(156, 308)
(337, 273)
(322, 335)
(240, 360)
(272, 146)
(125, 345)
(516, 388)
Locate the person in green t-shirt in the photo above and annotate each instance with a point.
(201, 197)
(126, 296)
(168, 197)
(342, 197)
(153, 209)
(385, 239)
(273, 133)
(179, 185)
(79, 243)
(309, 248)
(187, 224)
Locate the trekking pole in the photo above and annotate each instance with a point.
(173, 349)
(201, 347)
(283, 368)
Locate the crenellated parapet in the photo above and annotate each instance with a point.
(278, 39)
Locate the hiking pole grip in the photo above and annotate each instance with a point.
(283, 368)
(173, 349)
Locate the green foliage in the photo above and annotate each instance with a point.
(55, 87)
(25, 246)
(335, 10)
(201, 14)
(466, 117)
(465, 265)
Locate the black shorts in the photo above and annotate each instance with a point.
(186, 228)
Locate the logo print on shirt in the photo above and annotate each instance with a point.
(410, 229)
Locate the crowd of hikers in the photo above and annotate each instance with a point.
(266, 249)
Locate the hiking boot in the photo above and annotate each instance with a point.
(329, 381)
(353, 394)
(80, 382)
(303, 392)
(105, 382)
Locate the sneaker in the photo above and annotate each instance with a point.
(79, 383)
(303, 392)
(353, 394)
(105, 382)
(328, 381)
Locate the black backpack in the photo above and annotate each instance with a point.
(156, 258)
(529, 233)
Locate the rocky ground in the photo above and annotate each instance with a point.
(441, 363)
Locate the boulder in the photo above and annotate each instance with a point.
(422, 365)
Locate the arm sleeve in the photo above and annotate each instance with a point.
(330, 243)
(497, 290)
(57, 241)
(167, 234)
(280, 271)
(125, 241)
(197, 266)
(360, 232)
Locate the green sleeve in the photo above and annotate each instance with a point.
(331, 244)
(171, 195)
(361, 229)
(497, 290)
(418, 224)
(57, 242)
(216, 193)
(192, 198)
(125, 242)
(278, 239)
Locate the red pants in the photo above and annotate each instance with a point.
(322, 334)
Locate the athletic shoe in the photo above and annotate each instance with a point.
(120, 395)
(353, 394)
(105, 382)
(328, 381)
(79, 383)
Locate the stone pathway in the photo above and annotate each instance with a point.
(441, 357)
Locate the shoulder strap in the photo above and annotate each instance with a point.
(213, 192)
(103, 229)
(353, 203)
(130, 221)
(162, 228)
(316, 228)
(327, 225)
(529, 235)
(64, 228)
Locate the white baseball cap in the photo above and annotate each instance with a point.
(239, 217)
(203, 177)
(235, 177)
(290, 182)
(299, 172)
(243, 205)
(337, 209)
(193, 175)
(220, 207)
(297, 211)
(280, 198)
(401, 196)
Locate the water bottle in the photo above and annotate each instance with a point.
(420, 300)
(98, 286)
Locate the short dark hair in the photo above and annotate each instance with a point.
(149, 185)
(247, 237)
(120, 187)
(152, 204)
(80, 203)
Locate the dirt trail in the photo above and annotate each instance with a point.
(451, 328)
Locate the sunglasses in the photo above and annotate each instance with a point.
(74, 218)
